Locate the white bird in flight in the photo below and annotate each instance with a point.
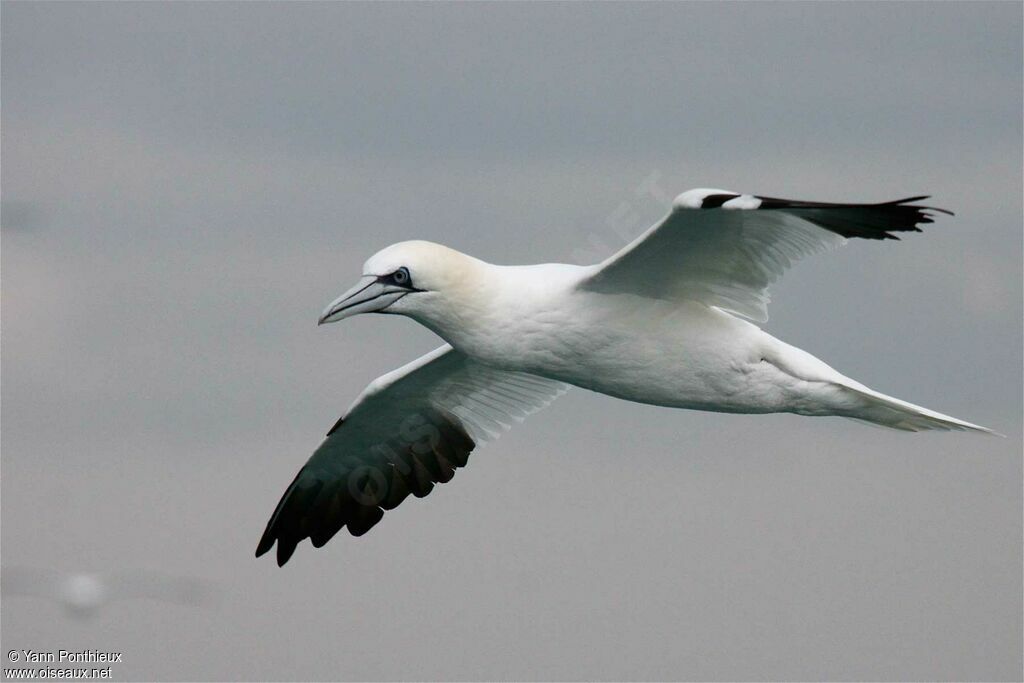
(665, 321)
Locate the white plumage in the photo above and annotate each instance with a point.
(660, 322)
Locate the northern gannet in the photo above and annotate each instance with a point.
(660, 322)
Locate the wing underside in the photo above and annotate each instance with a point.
(724, 248)
(409, 431)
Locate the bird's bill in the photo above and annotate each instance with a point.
(367, 296)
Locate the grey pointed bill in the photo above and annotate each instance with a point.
(369, 295)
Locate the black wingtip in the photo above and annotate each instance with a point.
(337, 490)
(285, 550)
(905, 200)
(265, 544)
(877, 221)
(919, 198)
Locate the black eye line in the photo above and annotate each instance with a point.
(389, 279)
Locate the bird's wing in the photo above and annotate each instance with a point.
(724, 248)
(408, 430)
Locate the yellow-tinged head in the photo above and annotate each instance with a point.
(416, 278)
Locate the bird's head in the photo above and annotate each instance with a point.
(423, 280)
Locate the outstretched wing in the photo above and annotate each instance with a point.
(408, 430)
(724, 248)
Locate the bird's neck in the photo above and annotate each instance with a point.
(498, 315)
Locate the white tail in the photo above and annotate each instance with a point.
(832, 393)
(878, 409)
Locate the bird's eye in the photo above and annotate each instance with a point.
(401, 276)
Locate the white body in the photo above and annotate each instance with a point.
(536, 319)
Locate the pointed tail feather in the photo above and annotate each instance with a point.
(878, 409)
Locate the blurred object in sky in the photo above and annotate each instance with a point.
(83, 595)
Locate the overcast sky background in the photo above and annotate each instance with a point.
(185, 186)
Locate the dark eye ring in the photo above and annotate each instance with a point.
(401, 276)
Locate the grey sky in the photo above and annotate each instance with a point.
(186, 185)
